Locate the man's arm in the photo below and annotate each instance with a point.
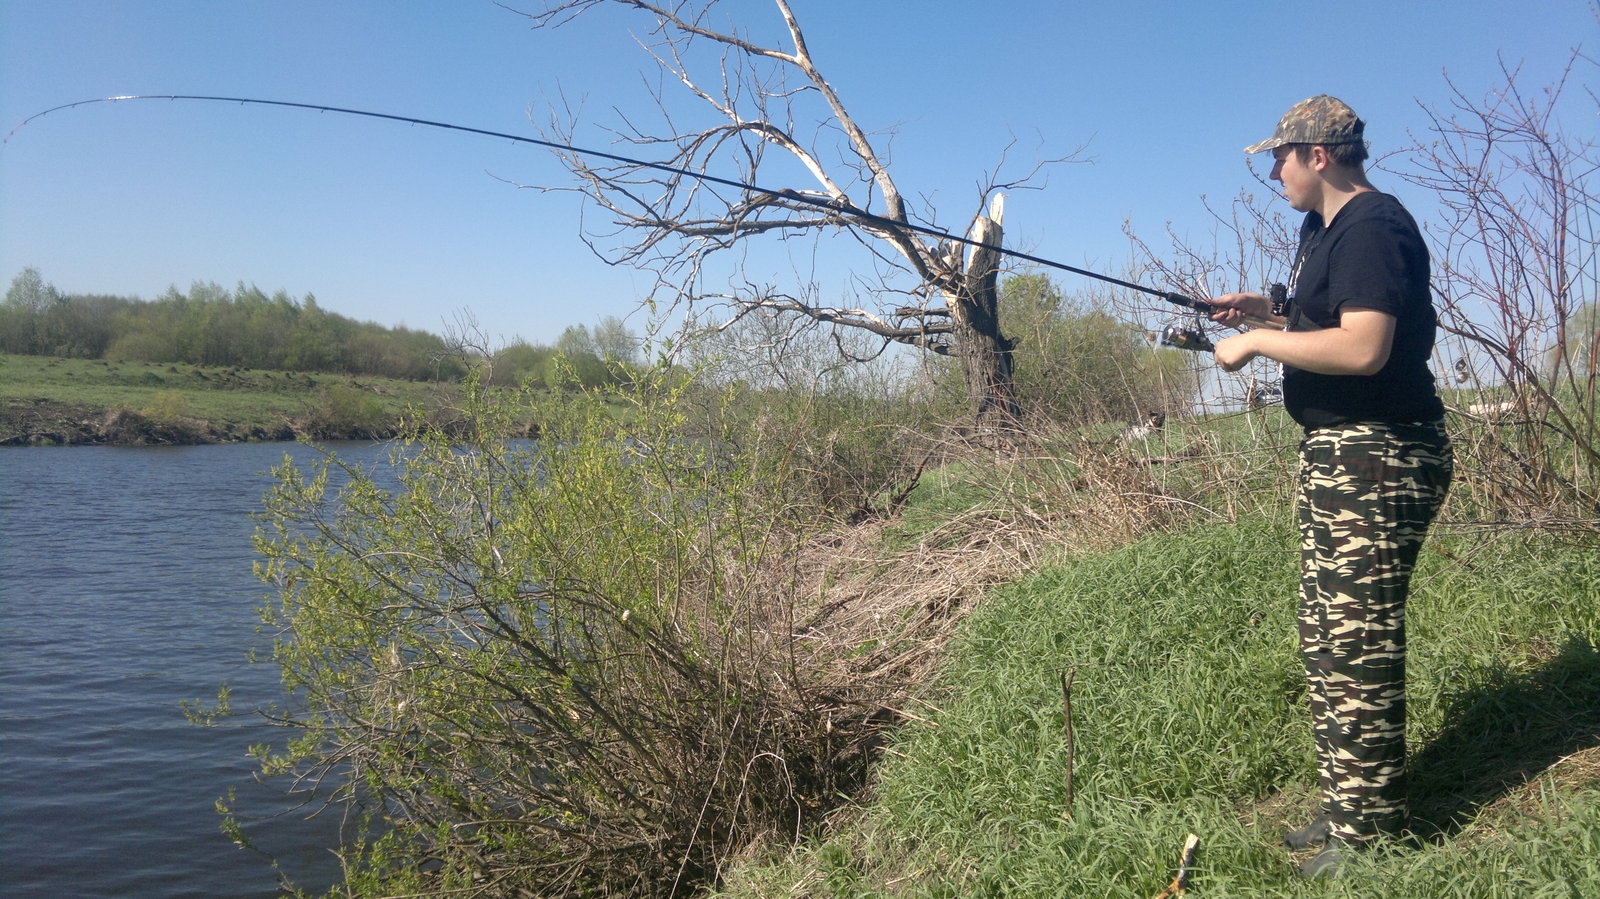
(1358, 345)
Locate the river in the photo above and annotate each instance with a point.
(125, 589)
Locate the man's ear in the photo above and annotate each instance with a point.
(1319, 157)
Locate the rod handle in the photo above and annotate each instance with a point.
(1200, 306)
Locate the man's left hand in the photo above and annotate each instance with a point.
(1234, 353)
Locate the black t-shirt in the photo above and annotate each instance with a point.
(1371, 257)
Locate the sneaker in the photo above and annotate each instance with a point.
(1312, 835)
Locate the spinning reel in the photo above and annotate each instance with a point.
(1186, 339)
(1195, 339)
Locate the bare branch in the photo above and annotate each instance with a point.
(774, 107)
(923, 334)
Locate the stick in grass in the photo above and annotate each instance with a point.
(1180, 884)
(1066, 712)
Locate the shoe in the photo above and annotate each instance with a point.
(1330, 861)
(1312, 835)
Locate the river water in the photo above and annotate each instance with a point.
(125, 589)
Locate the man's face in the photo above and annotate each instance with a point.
(1298, 177)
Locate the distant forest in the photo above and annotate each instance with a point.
(246, 328)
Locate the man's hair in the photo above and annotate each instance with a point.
(1351, 156)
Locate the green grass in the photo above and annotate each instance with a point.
(237, 402)
(230, 397)
(1188, 699)
(1187, 715)
(218, 394)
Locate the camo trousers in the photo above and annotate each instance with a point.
(1368, 492)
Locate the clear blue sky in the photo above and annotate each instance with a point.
(409, 225)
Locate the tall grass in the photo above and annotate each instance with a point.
(1186, 696)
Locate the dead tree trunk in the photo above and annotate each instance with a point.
(982, 351)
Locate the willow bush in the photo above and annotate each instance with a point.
(561, 666)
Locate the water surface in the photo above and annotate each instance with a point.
(126, 588)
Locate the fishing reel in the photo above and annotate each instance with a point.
(1195, 339)
(1186, 339)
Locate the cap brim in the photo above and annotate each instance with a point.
(1271, 143)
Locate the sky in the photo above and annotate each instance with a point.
(414, 226)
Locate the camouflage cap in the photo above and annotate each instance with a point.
(1317, 120)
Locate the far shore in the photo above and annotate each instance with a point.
(43, 422)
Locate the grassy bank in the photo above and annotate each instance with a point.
(1187, 707)
(733, 681)
(46, 399)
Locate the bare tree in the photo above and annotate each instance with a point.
(1515, 269)
(672, 220)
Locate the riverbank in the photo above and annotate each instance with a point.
(51, 401)
(1157, 574)
(43, 422)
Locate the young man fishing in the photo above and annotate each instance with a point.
(1374, 465)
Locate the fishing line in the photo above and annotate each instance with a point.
(837, 207)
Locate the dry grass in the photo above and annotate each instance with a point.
(875, 604)
(885, 595)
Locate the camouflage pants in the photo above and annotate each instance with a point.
(1367, 495)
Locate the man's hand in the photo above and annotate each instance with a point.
(1234, 353)
(1234, 308)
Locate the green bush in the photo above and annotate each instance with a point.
(1076, 364)
(554, 664)
(167, 406)
(344, 411)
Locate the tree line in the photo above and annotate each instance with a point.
(247, 328)
(1073, 361)
(211, 325)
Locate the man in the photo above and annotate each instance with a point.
(1374, 465)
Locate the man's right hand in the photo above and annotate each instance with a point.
(1234, 308)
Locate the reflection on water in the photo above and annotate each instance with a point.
(127, 589)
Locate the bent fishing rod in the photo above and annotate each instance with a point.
(835, 206)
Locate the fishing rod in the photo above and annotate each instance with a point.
(835, 206)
